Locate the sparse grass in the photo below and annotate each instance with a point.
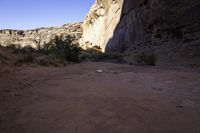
(145, 59)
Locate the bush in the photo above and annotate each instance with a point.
(94, 50)
(24, 50)
(26, 59)
(2, 58)
(145, 59)
(63, 49)
(103, 56)
(11, 46)
(99, 56)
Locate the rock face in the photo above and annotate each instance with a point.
(38, 37)
(101, 22)
(169, 29)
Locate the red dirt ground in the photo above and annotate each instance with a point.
(78, 99)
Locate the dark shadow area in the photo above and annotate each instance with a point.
(168, 29)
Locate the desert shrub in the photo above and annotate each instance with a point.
(45, 62)
(2, 58)
(103, 56)
(97, 47)
(145, 59)
(11, 46)
(25, 59)
(99, 56)
(63, 49)
(29, 49)
(94, 50)
(24, 50)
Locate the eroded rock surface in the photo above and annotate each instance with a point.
(169, 29)
(38, 37)
(100, 23)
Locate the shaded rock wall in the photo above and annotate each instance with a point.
(40, 36)
(169, 29)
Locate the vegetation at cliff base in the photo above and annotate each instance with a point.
(63, 49)
(2, 58)
(145, 59)
(95, 54)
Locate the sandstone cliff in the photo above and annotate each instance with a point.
(169, 29)
(100, 23)
(38, 37)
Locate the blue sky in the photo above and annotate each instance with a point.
(29, 14)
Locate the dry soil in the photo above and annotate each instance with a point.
(82, 99)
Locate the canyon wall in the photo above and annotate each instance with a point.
(169, 29)
(100, 23)
(38, 37)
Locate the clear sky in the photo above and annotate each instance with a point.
(29, 14)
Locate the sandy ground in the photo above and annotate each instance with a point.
(78, 99)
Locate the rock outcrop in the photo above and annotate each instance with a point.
(169, 29)
(100, 23)
(38, 37)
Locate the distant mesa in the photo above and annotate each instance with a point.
(40, 36)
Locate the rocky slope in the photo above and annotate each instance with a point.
(40, 36)
(169, 29)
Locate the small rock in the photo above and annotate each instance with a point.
(99, 71)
